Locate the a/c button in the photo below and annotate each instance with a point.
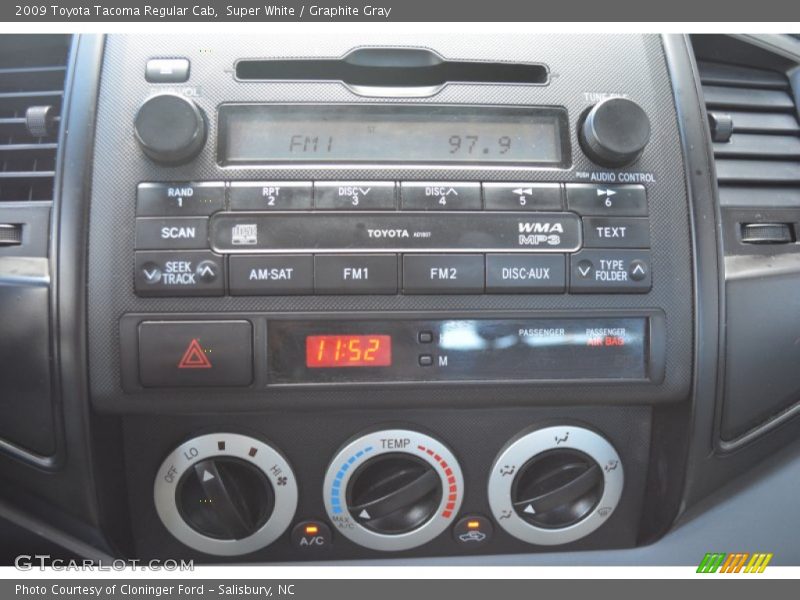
(195, 353)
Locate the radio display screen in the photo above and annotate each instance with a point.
(378, 133)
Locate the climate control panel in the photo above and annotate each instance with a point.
(388, 490)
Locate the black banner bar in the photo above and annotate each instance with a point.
(175, 11)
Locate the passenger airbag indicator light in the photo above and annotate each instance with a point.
(346, 350)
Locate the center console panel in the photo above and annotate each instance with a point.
(369, 318)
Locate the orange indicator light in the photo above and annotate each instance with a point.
(311, 529)
(473, 524)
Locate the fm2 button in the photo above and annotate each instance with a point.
(443, 274)
(610, 272)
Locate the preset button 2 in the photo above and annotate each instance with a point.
(271, 195)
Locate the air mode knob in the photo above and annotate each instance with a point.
(555, 485)
(170, 129)
(615, 132)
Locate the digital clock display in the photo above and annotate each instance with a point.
(344, 350)
(375, 133)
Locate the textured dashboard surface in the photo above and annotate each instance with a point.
(580, 65)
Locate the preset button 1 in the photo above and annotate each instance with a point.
(179, 199)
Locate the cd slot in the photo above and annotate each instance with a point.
(370, 70)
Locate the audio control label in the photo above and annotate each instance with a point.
(397, 232)
(424, 494)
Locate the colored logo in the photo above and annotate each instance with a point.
(737, 562)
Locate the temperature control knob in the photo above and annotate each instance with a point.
(615, 132)
(170, 129)
(555, 485)
(225, 494)
(393, 490)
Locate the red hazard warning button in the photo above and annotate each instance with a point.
(194, 357)
(195, 353)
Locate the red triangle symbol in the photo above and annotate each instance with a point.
(194, 357)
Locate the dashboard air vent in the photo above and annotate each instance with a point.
(32, 72)
(754, 129)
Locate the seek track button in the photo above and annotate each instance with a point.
(189, 273)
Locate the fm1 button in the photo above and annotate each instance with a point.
(311, 535)
(195, 353)
(473, 531)
(356, 274)
(610, 272)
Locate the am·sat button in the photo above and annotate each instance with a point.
(271, 275)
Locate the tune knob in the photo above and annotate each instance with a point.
(615, 132)
(393, 490)
(225, 494)
(170, 128)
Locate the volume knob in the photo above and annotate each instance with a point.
(615, 132)
(170, 129)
